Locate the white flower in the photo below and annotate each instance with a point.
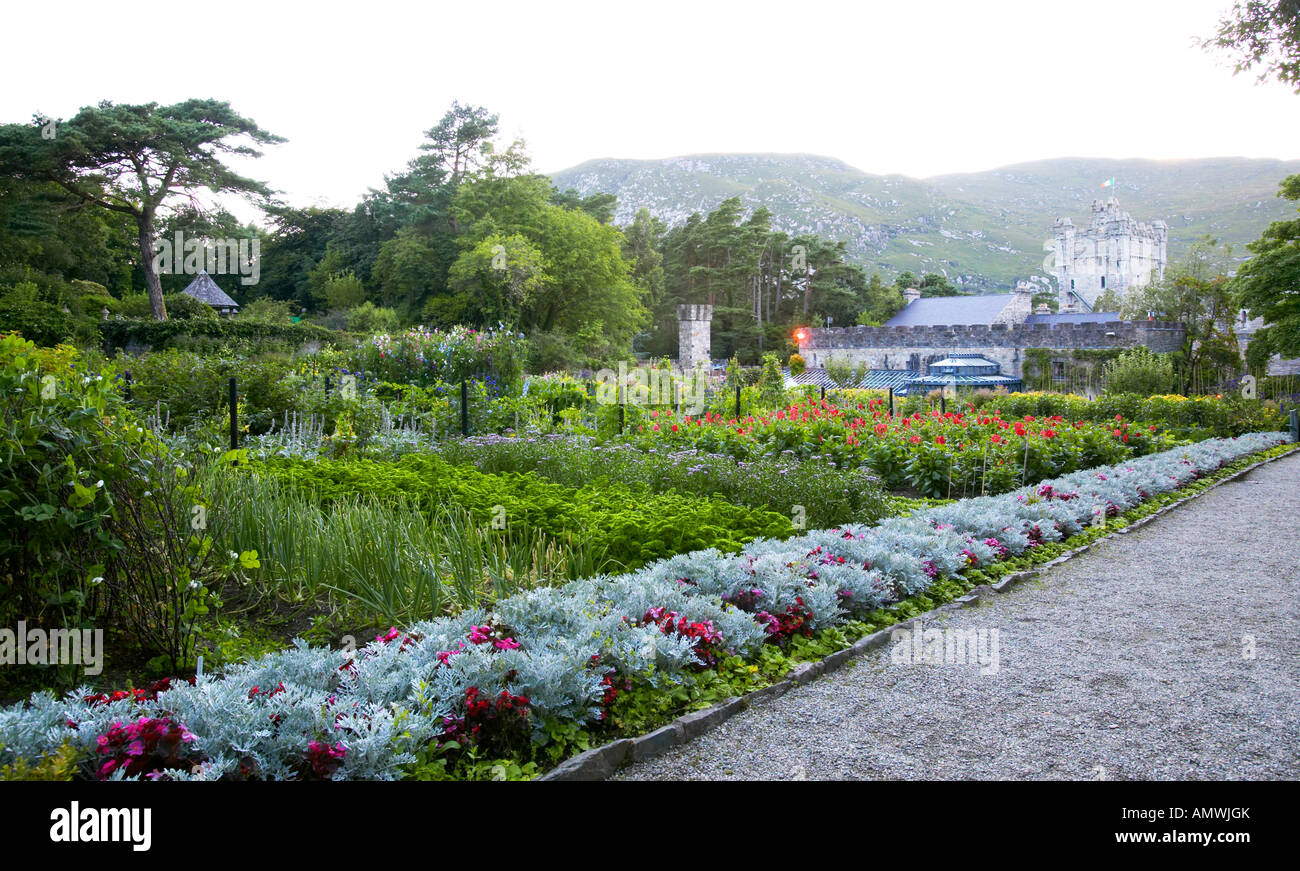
(97, 581)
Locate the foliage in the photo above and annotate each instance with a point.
(370, 318)
(1263, 34)
(1266, 283)
(423, 357)
(40, 322)
(1196, 293)
(384, 557)
(58, 764)
(561, 660)
(1139, 370)
(624, 525)
(939, 454)
(122, 333)
(825, 492)
(131, 159)
(97, 517)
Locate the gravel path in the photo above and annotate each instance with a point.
(1133, 657)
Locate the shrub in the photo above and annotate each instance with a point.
(41, 322)
(553, 352)
(96, 518)
(370, 318)
(180, 306)
(264, 309)
(122, 332)
(1138, 370)
(797, 365)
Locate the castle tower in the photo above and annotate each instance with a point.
(693, 332)
(1114, 252)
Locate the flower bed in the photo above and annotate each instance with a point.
(424, 356)
(828, 492)
(941, 455)
(628, 526)
(547, 663)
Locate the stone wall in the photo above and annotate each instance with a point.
(916, 347)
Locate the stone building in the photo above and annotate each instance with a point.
(916, 348)
(1112, 252)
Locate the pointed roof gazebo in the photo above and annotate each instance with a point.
(205, 290)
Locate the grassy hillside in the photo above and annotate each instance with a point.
(983, 230)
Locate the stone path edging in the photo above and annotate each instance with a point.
(600, 763)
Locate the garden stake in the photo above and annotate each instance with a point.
(234, 417)
(737, 402)
(464, 408)
(126, 392)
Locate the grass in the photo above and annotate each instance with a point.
(387, 557)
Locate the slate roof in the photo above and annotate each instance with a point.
(1074, 318)
(976, 360)
(950, 311)
(875, 379)
(204, 289)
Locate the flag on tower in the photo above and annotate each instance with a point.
(1109, 183)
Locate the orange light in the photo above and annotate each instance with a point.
(799, 335)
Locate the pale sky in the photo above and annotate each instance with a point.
(919, 88)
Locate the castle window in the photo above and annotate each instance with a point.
(1103, 282)
(1071, 284)
(1058, 370)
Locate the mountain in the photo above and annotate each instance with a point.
(983, 230)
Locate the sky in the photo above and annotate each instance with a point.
(919, 88)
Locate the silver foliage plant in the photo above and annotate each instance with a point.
(388, 699)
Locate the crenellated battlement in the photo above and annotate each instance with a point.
(1156, 335)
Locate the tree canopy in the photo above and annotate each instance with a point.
(1268, 285)
(131, 159)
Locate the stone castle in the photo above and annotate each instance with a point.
(1114, 252)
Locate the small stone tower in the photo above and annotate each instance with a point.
(693, 325)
